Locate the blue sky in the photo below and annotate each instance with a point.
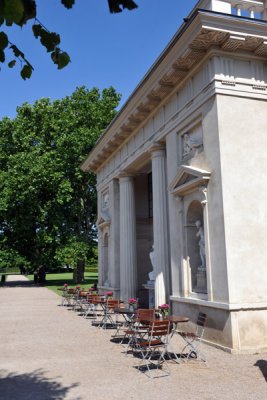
(106, 50)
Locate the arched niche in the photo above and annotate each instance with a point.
(190, 188)
(103, 224)
(194, 235)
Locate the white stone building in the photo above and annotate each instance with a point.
(183, 166)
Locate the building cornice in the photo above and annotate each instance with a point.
(203, 31)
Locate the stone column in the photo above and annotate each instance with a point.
(100, 258)
(160, 224)
(128, 268)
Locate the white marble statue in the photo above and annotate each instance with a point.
(201, 243)
(152, 275)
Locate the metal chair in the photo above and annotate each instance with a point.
(193, 339)
(109, 317)
(67, 297)
(138, 327)
(79, 300)
(154, 349)
(89, 307)
(98, 308)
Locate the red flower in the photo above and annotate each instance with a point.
(164, 306)
(132, 301)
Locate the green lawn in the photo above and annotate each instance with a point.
(55, 281)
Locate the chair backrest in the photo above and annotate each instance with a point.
(200, 324)
(97, 299)
(159, 328)
(113, 303)
(143, 313)
(89, 298)
(201, 319)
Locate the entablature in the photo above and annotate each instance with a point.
(205, 30)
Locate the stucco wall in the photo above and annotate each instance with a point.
(243, 143)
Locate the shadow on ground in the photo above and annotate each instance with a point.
(262, 364)
(31, 386)
(22, 283)
(56, 282)
(18, 283)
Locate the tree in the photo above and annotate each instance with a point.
(19, 12)
(47, 204)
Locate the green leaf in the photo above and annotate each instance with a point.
(68, 3)
(26, 72)
(11, 63)
(63, 60)
(55, 55)
(3, 40)
(116, 6)
(13, 11)
(29, 11)
(2, 56)
(16, 51)
(36, 28)
(49, 39)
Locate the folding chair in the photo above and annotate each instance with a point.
(88, 306)
(194, 339)
(154, 348)
(124, 317)
(79, 300)
(109, 315)
(139, 327)
(98, 307)
(67, 297)
(64, 295)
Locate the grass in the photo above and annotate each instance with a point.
(55, 281)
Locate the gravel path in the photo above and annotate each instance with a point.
(48, 352)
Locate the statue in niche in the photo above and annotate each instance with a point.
(105, 203)
(152, 275)
(201, 243)
(190, 143)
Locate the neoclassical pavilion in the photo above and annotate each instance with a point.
(183, 167)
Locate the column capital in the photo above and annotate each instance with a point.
(157, 149)
(125, 176)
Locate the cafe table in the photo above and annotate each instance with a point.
(174, 321)
(101, 301)
(128, 316)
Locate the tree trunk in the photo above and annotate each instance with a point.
(78, 273)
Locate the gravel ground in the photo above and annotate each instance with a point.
(49, 352)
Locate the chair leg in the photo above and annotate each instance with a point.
(149, 364)
(193, 350)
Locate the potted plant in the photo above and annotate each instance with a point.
(164, 309)
(132, 304)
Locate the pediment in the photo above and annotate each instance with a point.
(188, 179)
